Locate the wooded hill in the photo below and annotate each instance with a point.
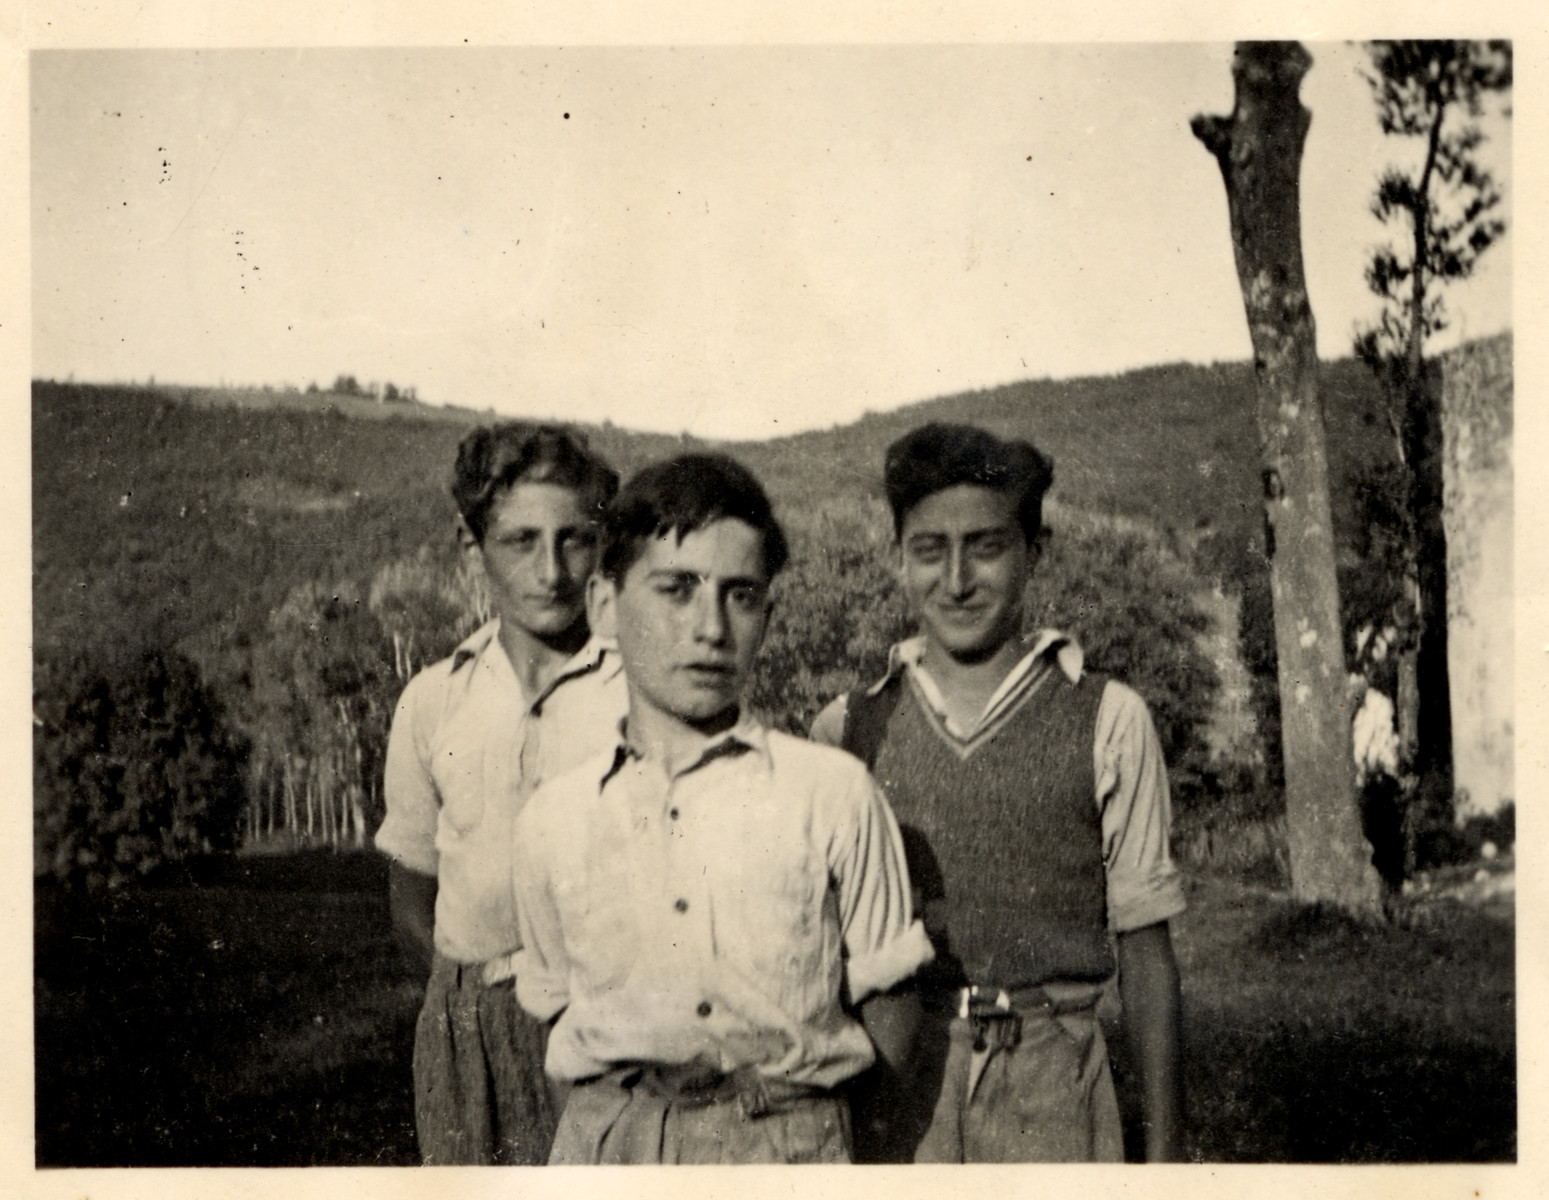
(303, 558)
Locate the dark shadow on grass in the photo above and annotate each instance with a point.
(239, 1012)
(1313, 1037)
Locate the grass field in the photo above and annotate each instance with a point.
(256, 1012)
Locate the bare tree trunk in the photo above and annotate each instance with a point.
(1259, 148)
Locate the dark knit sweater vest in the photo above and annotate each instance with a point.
(1002, 834)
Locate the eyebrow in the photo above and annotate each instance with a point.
(516, 529)
(700, 576)
(984, 531)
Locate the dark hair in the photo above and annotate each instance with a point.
(681, 495)
(938, 456)
(492, 457)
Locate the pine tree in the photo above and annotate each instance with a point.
(1446, 212)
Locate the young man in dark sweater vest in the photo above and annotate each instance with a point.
(1033, 802)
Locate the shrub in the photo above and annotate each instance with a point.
(426, 603)
(1129, 600)
(837, 610)
(324, 688)
(134, 766)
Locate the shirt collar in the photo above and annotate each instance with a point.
(748, 736)
(599, 654)
(1045, 649)
(474, 644)
(1064, 649)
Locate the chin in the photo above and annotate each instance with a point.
(972, 649)
(552, 624)
(702, 710)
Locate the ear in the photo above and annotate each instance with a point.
(602, 605)
(1035, 550)
(466, 542)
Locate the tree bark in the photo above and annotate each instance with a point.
(1259, 149)
(1425, 716)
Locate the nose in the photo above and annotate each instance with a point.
(710, 625)
(959, 573)
(550, 565)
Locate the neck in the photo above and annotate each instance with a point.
(661, 737)
(537, 660)
(971, 678)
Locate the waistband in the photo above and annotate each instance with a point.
(695, 1085)
(498, 970)
(979, 1001)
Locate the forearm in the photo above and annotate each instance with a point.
(892, 1020)
(1149, 990)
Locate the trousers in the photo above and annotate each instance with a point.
(623, 1117)
(480, 1097)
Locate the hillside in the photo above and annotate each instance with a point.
(170, 515)
(298, 549)
(116, 470)
(1173, 446)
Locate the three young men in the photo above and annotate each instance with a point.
(526, 696)
(716, 918)
(1033, 799)
(705, 903)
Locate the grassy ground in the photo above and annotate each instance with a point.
(257, 1013)
(251, 1013)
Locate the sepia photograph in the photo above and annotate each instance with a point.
(729, 604)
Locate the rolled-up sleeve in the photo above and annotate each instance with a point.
(541, 965)
(408, 832)
(884, 943)
(828, 726)
(1143, 883)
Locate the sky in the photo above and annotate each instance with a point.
(740, 242)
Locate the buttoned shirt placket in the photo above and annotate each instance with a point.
(667, 811)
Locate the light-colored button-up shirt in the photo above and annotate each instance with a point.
(467, 749)
(1143, 885)
(722, 915)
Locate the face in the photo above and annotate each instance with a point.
(964, 563)
(539, 547)
(689, 617)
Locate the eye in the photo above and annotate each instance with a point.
(678, 588)
(580, 540)
(990, 548)
(927, 550)
(746, 597)
(521, 540)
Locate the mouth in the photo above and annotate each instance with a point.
(961, 614)
(710, 672)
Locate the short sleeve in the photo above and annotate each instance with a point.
(1143, 883)
(883, 941)
(408, 833)
(828, 726)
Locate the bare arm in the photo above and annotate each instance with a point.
(411, 898)
(892, 1020)
(880, 1095)
(1148, 987)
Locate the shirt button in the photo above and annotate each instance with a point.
(704, 1008)
(680, 904)
(673, 813)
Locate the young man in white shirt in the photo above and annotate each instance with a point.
(524, 697)
(707, 903)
